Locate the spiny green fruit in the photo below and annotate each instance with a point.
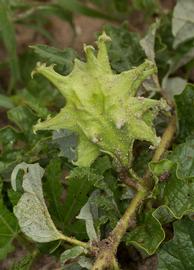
(101, 106)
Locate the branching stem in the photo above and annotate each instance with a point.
(106, 256)
(106, 253)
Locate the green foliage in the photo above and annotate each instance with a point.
(184, 104)
(176, 194)
(67, 142)
(8, 229)
(31, 210)
(182, 154)
(174, 198)
(124, 51)
(149, 7)
(80, 184)
(76, 7)
(8, 35)
(182, 23)
(76, 260)
(140, 236)
(63, 59)
(170, 257)
(73, 185)
(54, 189)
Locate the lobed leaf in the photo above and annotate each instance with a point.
(175, 197)
(178, 253)
(183, 154)
(123, 117)
(148, 235)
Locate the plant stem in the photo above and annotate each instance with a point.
(123, 223)
(115, 264)
(166, 139)
(74, 241)
(106, 257)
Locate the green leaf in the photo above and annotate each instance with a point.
(124, 118)
(175, 198)
(6, 102)
(67, 142)
(22, 117)
(148, 42)
(185, 108)
(48, 10)
(104, 202)
(8, 35)
(33, 102)
(71, 254)
(168, 59)
(183, 154)
(102, 164)
(85, 262)
(9, 137)
(181, 57)
(176, 194)
(148, 45)
(86, 215)
(174, 86)
(8, 229)
(178, 253)
(183, 22)
(148, 7)
(54, 189)
(76, 7)
(31, 210)
(63, 59)
(124, 51)
(80, 184)
(119, 8)
(148, 234)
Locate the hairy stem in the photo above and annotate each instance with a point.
(123, 223)
(166, 139)
(106, 257)
(115, 264)
(107, 251)
(74, 241)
